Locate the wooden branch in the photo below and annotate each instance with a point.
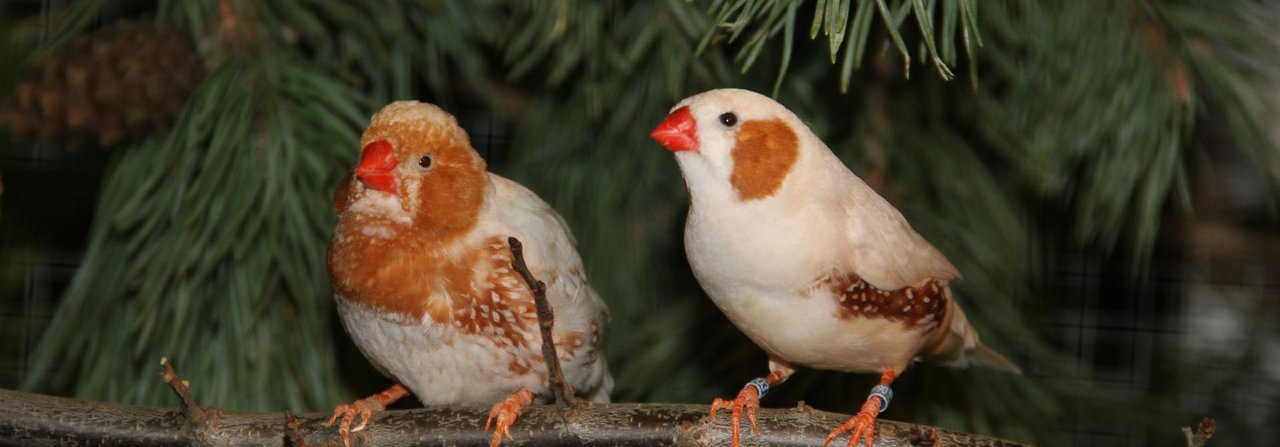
(38, 420)
(182, 388)
(560, 388)
(28, 419)
(293, 431)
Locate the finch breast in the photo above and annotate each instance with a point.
(477, 319)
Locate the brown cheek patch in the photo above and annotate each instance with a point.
(452, 191)
(924, 305)
(763, 154)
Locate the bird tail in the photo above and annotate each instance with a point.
(985, 356)
(956, 344)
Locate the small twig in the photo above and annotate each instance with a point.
(293, 431)
(194, 413)
(546, 318)
(1203, 432)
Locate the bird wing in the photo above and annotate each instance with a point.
(884, 249)
(549, 246)
(552, 256)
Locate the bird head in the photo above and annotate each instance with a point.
(735, 141)
(417, 167)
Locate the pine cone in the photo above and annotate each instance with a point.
(121, 83)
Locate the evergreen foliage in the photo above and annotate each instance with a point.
(209, 241)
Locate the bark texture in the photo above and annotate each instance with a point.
(38, 420)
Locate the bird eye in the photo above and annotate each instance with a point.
(425, 161)
(728, 119)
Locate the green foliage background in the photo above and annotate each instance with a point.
(1069, 127)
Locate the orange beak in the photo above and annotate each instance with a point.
(679, 132)
(377, 160)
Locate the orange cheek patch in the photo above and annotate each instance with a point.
(765, 151)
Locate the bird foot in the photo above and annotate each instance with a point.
(504, 414)
(363, 408)
(748, 399)
(862, 425)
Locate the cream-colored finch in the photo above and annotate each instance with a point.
(422, 274)
(805, 258)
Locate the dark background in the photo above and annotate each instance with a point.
(1195, 333)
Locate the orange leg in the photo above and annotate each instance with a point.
(504, 414)
(364, 408)
(749, 399)
(863, 424)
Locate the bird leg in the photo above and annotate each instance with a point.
(364, 408)
(749, 398)
(863, 423)
(504, 414)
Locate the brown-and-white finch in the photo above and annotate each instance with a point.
(805, 258)
(422, 276)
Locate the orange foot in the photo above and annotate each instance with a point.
(862, 424)
(364, 408)
(505, 413)
(748, 398)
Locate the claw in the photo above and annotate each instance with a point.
(348, 413)
(363, 408)
(749, 399)
(504, 414)
(365, 414)
(862, 425)
(337, 411)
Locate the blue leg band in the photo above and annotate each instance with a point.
(761, 386)
(884, 393)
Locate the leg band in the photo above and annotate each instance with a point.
(761, 386)
(884, 393)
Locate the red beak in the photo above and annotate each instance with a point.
(376, 162)
(679, 132)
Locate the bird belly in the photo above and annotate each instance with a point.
(441, 365)
(806, 331)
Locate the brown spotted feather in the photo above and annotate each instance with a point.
(922, 306)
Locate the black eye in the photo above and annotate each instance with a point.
(728, 119)
(425, 161)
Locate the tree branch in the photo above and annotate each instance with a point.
(38, 420)
(293, 431)
(182, 388)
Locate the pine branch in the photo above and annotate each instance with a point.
(30, 419)
(214, 234)
(761, 21)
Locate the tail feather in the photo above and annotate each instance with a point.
(956, 344)
(985, 356)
